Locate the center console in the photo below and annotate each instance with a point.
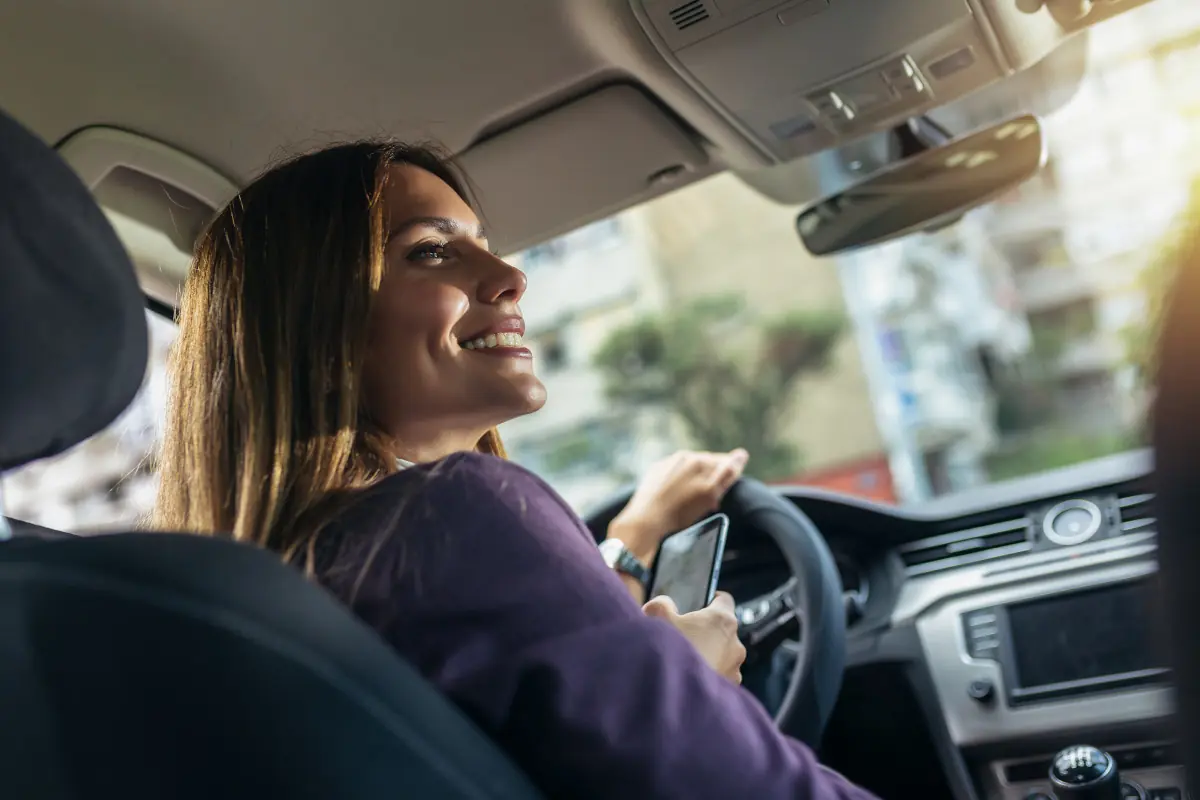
(1069, 644)
(1027, 659)
(1146, 771)
(1051, 653)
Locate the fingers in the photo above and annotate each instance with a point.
(728, 469)
(662, 607)
(715, 473)
(705, 460)
(723, 601)
(739, 659)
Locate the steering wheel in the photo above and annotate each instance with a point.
(812, 596)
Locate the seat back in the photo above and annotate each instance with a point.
(1176, 423)
(154, 665)
(151, 665)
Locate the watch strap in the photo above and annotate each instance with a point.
(628, 563)
(622, 560)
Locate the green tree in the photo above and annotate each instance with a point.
(727, 373)
(1155, 279)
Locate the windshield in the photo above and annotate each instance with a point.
(1008, 344)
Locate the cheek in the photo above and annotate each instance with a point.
(414, 316)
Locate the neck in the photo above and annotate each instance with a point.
(421, 450)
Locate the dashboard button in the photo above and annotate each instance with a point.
(982, 691)
(982, 632)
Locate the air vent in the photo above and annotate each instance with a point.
(1137, 513)
(689, 14)
(966, 547)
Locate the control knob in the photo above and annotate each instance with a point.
(1083, 772)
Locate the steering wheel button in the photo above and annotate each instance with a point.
(755, 611)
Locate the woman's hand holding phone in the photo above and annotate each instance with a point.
(712, 631)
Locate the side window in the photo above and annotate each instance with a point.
(109, 482)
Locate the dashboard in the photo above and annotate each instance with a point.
(988, 630)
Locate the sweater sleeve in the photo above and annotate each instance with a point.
(494, 589)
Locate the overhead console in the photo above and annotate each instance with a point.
(800, 76)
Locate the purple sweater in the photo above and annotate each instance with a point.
(482, 577)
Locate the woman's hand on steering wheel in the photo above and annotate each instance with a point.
(673, 494)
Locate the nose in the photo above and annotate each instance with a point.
(501, 281)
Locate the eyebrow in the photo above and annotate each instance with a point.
(444, 225)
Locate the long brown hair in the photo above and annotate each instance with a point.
(266, 423)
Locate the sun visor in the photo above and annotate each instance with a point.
(579, 162)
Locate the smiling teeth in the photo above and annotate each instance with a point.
(507, 339)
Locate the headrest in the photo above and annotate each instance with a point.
(73, 341)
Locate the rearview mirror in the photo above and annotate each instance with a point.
(927, 191)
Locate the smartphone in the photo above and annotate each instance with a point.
(688, 564)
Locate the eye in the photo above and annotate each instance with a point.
(429, 252)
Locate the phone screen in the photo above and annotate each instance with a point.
(688, 564)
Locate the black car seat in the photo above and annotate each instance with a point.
(155, 665)
(1176, 424)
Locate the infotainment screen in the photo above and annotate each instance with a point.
(1084, 636)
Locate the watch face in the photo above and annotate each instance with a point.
(611, 550)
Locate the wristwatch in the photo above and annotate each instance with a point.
(618, 557)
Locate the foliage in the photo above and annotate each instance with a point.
(566, 453)
(1053, 448)
(1155, 280)
(728, 374)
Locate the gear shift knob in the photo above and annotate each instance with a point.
(1083, 772)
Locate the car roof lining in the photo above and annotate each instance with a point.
(235, 87)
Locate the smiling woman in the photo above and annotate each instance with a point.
(295, 295)
(444, 302)
(348, 345)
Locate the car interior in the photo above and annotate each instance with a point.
(1014, 641)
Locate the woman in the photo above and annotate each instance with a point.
(348, 345)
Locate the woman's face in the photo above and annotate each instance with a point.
(446, 360)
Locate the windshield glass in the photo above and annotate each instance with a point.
(1010, 343)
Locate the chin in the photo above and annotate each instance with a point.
(517, 398)
(533, 397)
(524, 397)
